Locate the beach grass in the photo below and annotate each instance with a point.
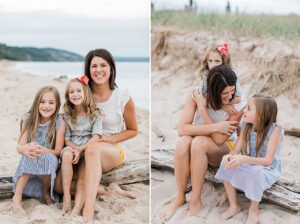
(286, 27)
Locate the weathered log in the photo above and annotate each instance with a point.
(292, 131)
(285, 193)
(130, 172)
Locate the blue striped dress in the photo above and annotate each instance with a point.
(46, 164)
(254, 179)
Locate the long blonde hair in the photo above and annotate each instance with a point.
(266, 114)
(89, 105)
(226, 60)
(32, 124)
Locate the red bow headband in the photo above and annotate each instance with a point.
(84, 79)
(223, 49)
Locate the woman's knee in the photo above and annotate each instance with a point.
(183, 145)
(199, 145)
(92, 150)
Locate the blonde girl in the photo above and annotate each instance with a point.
(214, 56)
(40, 143)
(84, 126)
(258, 167)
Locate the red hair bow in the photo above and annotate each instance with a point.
(84, 79)
(223, 49)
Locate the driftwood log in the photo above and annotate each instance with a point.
(285, 193)
(292, 132)
(130, 172)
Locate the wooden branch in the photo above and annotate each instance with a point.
(292, 131)
(285, 192)
(129, 172)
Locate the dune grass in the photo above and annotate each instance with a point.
(287, 27)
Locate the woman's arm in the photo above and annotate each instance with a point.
(218, 137)
(185, 126)
(130, 123)
(274, 141)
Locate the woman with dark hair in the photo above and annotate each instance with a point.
(204, 136)
(119, 123)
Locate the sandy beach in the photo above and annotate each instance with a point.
(268, 66)
(17, 92)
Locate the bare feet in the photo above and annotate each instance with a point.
(230, 212)
(252, 218)
(115, 189)
(194, 208)
(48, 199)
(17, 209)
(66, 204)
(169, 211)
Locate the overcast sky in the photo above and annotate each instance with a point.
(79, 26)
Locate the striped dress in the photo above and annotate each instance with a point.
(254, 179)
(46, 164)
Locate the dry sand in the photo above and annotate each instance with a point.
(17, 92)
(263, 65)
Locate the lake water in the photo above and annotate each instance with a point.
(131, 75)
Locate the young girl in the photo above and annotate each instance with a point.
(218, 55)
(40, 143)
(258, 168)
(84, 126)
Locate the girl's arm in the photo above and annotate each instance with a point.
(130, 123)
(274, 141)
(27, 149)
(185, 126)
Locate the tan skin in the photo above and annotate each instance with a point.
(34, 150)
(195, 149)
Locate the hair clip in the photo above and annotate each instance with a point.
(84, 79)
(223, 49)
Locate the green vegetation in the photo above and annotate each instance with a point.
(36, 54)
(287, 27)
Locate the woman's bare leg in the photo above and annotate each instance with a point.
(17, 198)
(80, 189)
(234, 207)
(99, 158)
(67, 174)
(182, 174)
(46, 179)
(204, 151)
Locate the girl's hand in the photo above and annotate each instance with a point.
(76, 157)
(227, 127)
(199, 98)
(31, 154)
(236, 161)
(230, 109)
(226, 159)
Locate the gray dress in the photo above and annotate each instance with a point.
(83, 131)
(46, 164)
(254, 179)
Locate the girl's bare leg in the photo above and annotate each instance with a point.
(46, 179)
(253, 214)
(80, 189)
(234, 207)
(17, 198)
(67, 174)
(182, 174)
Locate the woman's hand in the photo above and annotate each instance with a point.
(227, 127)
(230, 109)
(235, 161)
(199, 98)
